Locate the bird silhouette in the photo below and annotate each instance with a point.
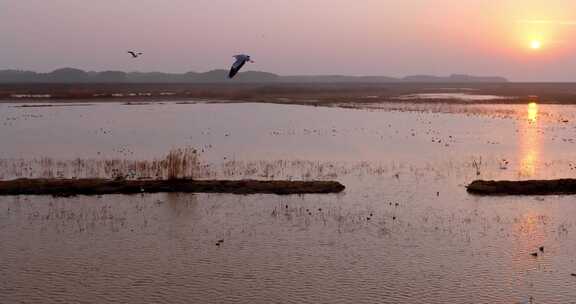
(238, 64)
(135, 54)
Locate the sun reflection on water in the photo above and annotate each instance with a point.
(532, 112)
(529, 142)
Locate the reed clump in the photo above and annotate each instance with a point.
(181, 163)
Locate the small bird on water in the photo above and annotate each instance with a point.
(529, 300)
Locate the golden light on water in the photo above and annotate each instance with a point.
(532, 112)
(528, 164)
(529, 142)
(529, 228)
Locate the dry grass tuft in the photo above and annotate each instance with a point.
(182, 163)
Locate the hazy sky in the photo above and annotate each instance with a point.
(359, 37)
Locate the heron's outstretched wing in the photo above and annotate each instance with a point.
(240, 62)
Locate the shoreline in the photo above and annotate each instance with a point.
(286, 93)
(527, 187)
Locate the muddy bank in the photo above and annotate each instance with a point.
(68, 187)
(41, 105)
(284, 93)
(529, 187)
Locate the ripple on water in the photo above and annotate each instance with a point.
(426, 240)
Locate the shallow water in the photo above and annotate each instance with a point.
(454, 96)
(404, 231)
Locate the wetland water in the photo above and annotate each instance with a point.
(404, 231)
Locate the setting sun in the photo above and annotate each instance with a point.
(535, 44)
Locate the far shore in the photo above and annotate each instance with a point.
(287, 93)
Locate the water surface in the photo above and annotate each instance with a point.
(404, 231)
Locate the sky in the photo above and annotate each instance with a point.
(523, 40)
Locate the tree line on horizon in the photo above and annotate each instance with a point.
(72, 75)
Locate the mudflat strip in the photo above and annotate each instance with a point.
(528, 187)
(70, 187)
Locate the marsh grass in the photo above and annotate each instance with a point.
(178, 163)
(186, 163)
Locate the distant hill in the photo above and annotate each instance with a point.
(71, 75)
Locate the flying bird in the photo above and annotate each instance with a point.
(238, 64)
(135, 54)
